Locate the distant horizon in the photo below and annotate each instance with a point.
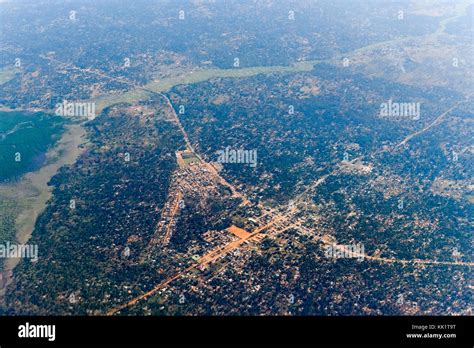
(294, 159)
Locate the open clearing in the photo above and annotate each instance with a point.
(32, 192)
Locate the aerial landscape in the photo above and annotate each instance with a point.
(236, 157)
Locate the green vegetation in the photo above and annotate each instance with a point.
(307, 124)
(24, 140)
(89, 182)
(164, 85)
(204, 75)
(8, 211)
(131, 97)
(8, 74)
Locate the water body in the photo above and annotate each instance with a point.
(25, 137)
(32, 192)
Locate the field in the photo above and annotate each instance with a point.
(8, 74)
(204, 75)
(166, 84)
